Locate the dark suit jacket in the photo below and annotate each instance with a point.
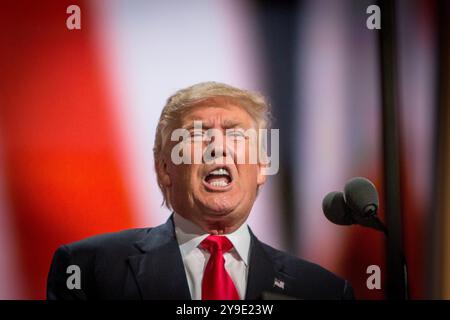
(147, 264)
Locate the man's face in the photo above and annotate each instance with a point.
(217, 194)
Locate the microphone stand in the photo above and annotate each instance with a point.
(372, 221)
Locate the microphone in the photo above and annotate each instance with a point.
(335, 209)
(358, 204)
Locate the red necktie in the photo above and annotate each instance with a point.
(217, 283)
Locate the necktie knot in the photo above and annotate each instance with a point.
(216, 244)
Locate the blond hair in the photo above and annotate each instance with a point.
(183, 100)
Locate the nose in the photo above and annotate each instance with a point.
(218, 152)
(216, 149)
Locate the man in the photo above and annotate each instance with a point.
(205, 250)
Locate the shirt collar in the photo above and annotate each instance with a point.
(189, 236)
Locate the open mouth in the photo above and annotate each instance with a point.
(219, 178)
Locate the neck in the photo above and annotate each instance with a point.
(215, 226)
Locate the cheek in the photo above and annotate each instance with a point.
(248, 175)
(183, 177)
(245, 153)
(196, 152)
(192, 178)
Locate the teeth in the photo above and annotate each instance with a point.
(219, 184)
(220, 172)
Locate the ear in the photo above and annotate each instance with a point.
(261, 177)
(163, 173)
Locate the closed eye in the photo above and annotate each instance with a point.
(236, 134)
(196, 135)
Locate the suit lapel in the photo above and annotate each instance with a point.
(159, 270)
(263, 275)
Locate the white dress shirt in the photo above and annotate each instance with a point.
(189, 237)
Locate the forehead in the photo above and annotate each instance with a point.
(222, 114)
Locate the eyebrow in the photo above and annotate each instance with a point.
(226, 124)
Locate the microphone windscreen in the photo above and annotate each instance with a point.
(334, 208)
(360, 195)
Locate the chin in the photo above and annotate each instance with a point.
(221, 204)
(218, 211)
(219, 207)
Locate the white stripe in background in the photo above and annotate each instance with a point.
(338, 122)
